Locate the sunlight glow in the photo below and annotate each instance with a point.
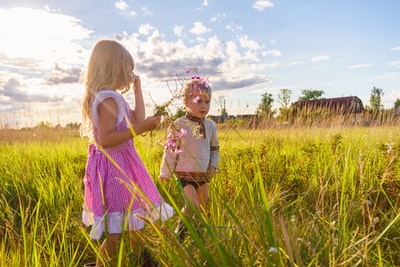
(38, 34)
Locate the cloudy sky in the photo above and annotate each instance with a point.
(246, 48)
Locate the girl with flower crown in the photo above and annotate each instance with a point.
(119, 192)
(192, 148)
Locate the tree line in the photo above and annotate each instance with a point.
(265, 108)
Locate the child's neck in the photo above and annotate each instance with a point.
(193, 118)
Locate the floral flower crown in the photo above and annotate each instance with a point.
(194, 86)
(190, 88)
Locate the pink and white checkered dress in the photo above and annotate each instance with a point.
(117, 183)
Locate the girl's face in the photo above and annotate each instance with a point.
(198, 106)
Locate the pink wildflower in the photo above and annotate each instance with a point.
(172, 143)
(196, 99)
(204, 81)
(182, 132)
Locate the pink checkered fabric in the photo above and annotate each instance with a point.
(116, 180)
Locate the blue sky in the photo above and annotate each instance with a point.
(246, 48)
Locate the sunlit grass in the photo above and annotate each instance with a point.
(283, 197)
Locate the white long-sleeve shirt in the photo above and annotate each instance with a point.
(193, 153)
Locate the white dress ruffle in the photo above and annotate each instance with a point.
(118, 222)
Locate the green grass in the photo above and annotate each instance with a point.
(283, 197)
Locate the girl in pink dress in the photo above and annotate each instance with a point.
(118, 189)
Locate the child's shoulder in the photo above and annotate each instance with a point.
(107, 93)
(209, 121)
(104, 94)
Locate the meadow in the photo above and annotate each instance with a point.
(295, 196)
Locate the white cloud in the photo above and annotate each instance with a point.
(395, 48)
(392, 76)
(261, 5)
(296, 63)
(233, 27)
(39, 58)
(200, 40)
(320, 58)
(222, 60)
(275, 53)
(178, 30)
(145, 29)
(394, 63)
(359, 66)
(272, 65)
(205, 3)
(218, 17)
(46, 37)
(146, 11)
(248, 44)
(199, 28)
(121, 5)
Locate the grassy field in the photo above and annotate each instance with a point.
(283, 197)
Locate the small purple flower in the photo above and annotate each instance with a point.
(171, 143)
(182, 132)
(196, 99)
(204, 81)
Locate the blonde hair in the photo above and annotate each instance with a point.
(110, 66)
(195, 87)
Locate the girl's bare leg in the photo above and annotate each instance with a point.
(108, 249)
(133, 240)
(137, 248)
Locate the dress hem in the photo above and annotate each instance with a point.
(117, 222)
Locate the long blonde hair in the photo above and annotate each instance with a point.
(110, 66)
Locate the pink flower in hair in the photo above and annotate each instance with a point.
(196, 99)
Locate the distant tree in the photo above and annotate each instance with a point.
(222, 110)
(284, 97)
(224, 113)
(44, 124)
(309, 94)
(375, 99)
(73, 125)
(284, 100)
(180, 112)
(265, 107)
(396, 107)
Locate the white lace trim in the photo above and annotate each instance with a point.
(117, 222)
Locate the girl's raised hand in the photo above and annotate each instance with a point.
(136, 81)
